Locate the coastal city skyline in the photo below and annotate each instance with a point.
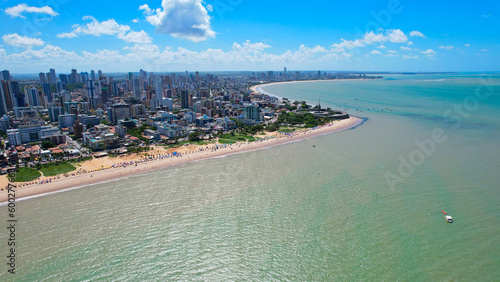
(232, 140)
(241, 36)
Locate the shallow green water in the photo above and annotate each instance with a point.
(295, 212)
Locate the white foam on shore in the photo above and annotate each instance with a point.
(67, 189)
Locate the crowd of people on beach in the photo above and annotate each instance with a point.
(171, 155)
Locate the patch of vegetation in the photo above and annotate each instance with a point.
(74, 86)
(138, 132)
(234, 137)
(273, 127)
(225, 141)
(290, 118)
(81, 160)
(194, 136)
(131, 150)
(25, 174)
(286, 130)
(47, 144)
(181, 143)
(56, 168)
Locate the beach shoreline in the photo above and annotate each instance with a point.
(195, 153)
(258, 88)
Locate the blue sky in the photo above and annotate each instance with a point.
(226, 35)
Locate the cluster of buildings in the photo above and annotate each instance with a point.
(93, 111)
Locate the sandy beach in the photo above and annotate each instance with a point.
(258, 88)
(106, 169)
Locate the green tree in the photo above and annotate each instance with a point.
(194, 136)
(48, 144)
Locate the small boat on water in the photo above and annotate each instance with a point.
(447, 217)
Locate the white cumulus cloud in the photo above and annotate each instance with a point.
(22, 41)
(186, 19)
(17, 11)
(375, 52)
(406, 48)
(390, 35)
(397, 36)
(416, 33)
(429, 53)
(109, 27)
(449, 47)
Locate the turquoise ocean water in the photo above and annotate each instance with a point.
(298, 212)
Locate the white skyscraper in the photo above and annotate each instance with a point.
(158, 88)
(33, 97)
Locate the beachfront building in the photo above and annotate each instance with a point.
(252, 112)
(172, 130)
(161, 117)
(27, 135)
(100, 138)
(152, 134)
(204, 121)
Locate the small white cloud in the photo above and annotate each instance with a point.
(371, 37)
(392, 51)
(22, 41)
(146, 9)
(375, 52)
(67, 35)
(407, 57)
(109, 27)
(135, 20)
(17, 11)
(135, 37)
(187, 19)
(449, 47)
(382, 47)
(467, 45)
(391, 55)
(406, 48)
(410, 43)
(416, 33)
(429, 53)
(397, 36)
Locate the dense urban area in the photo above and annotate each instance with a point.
(55, 120)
